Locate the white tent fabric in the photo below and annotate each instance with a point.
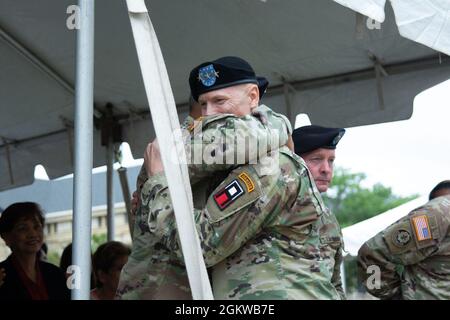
(424, 21)
(373, 9)
(357, 234)
(309, 50)
(162, 104)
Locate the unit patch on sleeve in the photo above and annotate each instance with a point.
(401, 237)
(247, 181)
(229, 194)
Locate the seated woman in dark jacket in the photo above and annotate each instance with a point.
(26, 277)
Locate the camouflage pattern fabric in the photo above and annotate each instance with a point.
(152, 272)
(281, 246)
(142, 176)
(224, 139)
(334, 237)
(413, 255)
(272, 242)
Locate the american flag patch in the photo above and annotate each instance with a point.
(422, 228)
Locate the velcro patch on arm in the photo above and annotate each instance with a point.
(421, 227)
(229, 194)
(425, 230)
(399, 238)
(233, 195)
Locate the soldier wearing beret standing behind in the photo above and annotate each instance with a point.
(317, 146)
(410, 259)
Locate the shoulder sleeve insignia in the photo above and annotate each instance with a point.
(421, 227)
(401, 237)
(229, 194)
(398, 238)
(247, 181)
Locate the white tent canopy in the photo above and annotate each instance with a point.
(423, 21)
(316, 57)
(357, 234)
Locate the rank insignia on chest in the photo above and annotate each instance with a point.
(421, 227)
(229, 194)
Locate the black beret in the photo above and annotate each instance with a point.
(221, 73)
(309, 138)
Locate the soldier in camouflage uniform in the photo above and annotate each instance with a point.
(260, 230)
(410, 259)
(317, 147)
(151, 272)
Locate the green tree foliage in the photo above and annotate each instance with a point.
(97, 240)
(53, 257)
(352, 203)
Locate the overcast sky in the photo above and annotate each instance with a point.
(410, 156)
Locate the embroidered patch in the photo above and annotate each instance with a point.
(422, 228)
(401, 237)
(247, 181)
(208, 75)
(337, 138)
(228, 195)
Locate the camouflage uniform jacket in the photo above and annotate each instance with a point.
(272, 129)
(282, 245)
(152, 271)
(272, 241)
(329, 219)
(413, 255)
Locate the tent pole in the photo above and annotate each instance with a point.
(109, 187)
(126, 198)
(69, 129)
(8, 158)
(379, 87)
(287, 102)
(84, 106)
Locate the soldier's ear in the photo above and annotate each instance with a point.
(254, 95)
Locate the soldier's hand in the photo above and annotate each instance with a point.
(2, 276)
(152, 159)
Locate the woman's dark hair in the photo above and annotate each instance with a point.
(66, 261)
(66, 258)
(16, 212)
(106, 255)
(440, 186)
